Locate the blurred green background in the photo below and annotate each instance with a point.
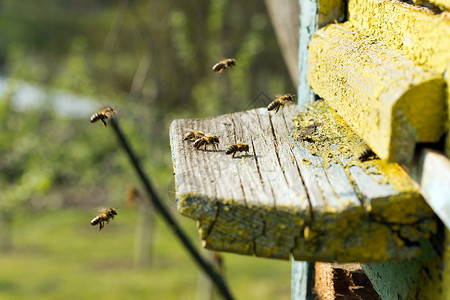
(61, 61)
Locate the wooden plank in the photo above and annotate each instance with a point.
(297, 197)
(342, 281)
(434, 179)
(314, 14)
(378, 91)
(284, 16)
(441, 4)
(307, 27)
(427, 277)
(420, 33)
(302, 281)
(447, 140)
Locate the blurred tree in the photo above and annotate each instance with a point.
(151, 59)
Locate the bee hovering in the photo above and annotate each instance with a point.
(193, 135)
(206, 140)
(239, 147)
(106, 216)
(280, 102)
(224, 65)
(103, 115)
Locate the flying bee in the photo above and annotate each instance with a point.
(224, 65)
(193, 135)
(103, 115)
(280, 102)
(239, 147)
(132, 196)
(367, 154)
(106, 216)
(206, 140)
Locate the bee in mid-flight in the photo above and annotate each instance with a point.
(104, 217)
(103, 115)
(280, 102)
(239, 147)
(224, 65)
(206, 140)
(193, 135)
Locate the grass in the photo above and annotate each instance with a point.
(58, 255)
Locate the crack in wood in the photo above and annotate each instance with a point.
(306, 188)
(310, 211)
(213, 223)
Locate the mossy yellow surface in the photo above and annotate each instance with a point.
(324, 133)
(388, 99)
(447, 79)
(420, 33)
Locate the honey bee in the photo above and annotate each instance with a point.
(104, 217)
(367, 154)
(224, 65)
(306, 131)
(193, 135)
(103, 115)
(131, 196)
(280, 102)
(239, 147)
(206, 140)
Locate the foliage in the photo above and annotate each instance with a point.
(150, 59)
(161, 50)
(81, 263)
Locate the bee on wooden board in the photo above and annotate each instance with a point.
(367, 154)
(239, 147)
(106, 216)
(193, 135)
(306, 131)
(224, 65)
(206, 140)
(103, 115)
(280, 102)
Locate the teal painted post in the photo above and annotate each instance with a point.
(302, 273)
(308, 25)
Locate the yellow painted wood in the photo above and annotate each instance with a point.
(441, 4)
(386, 98)
(418, 32)
(447, 79)
(298, 191)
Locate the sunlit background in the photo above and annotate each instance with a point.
(61, 61)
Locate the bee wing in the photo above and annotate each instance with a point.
(110, 112)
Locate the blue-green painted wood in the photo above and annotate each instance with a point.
(308, 25)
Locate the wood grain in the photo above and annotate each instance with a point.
(283, 198)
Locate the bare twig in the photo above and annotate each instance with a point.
(159, 206)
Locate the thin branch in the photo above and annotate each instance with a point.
(159, 206)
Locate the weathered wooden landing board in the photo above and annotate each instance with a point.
(310, 197)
